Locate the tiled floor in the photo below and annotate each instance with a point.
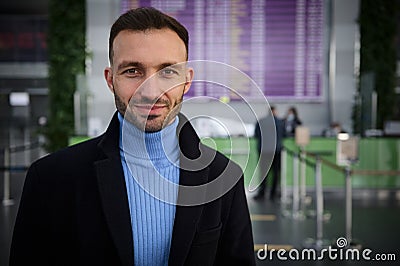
(376, 224)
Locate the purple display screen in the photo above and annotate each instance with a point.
(278, 43)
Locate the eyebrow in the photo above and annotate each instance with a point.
(126, 64)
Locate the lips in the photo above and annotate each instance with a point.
(149, 109)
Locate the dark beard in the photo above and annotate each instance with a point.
(148, 123)
(121, 106)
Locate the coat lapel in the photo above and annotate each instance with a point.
(113, 195)
(114, 199)
(186, 217)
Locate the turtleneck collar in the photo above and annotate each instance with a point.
(156, 146)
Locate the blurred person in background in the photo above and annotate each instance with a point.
(262, 135)
(292, 120)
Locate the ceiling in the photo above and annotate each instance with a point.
(24, 7)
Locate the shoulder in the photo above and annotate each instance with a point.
(66, 160)
(220, 165)
(199, 156)
(280, 122)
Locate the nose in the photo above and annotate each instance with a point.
(151, 88)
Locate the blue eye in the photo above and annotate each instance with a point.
(168, 72)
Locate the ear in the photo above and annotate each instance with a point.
(108, 75)
(189, 78)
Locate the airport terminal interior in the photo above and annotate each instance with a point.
(337, 194)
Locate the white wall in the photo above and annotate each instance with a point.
(346, 29)
(102, 13)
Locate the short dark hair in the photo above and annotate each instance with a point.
(294, 111)
(146, 18)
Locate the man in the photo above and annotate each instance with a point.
(88, 204)
(263, 133)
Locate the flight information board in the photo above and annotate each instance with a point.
(277, 43)
(23, 39)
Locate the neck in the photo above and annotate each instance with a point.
(158, 145)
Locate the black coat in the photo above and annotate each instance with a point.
(74, 210)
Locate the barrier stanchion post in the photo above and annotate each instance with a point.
(7, 201)
(347, 155)
(284, 196)
(319, 200)
(295, 187)
(349, 215)
(318, 243)
(349, 211)
(303, 196)
(296, 213)
(302, 139)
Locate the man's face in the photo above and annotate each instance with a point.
(146, 78)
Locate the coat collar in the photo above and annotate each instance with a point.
(111, 183)
(186, 217)
(114, 198)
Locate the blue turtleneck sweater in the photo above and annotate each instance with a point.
(151, 168)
